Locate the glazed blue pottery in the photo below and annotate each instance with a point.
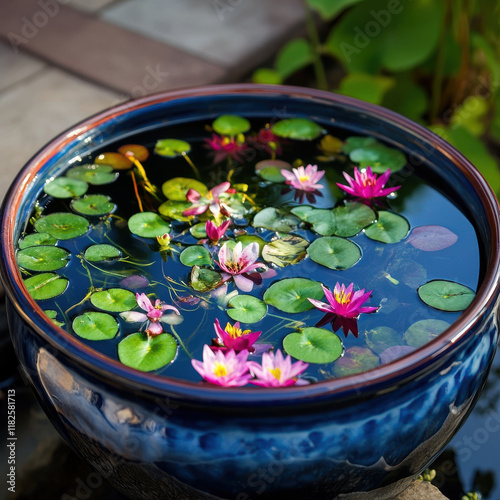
(362, 436)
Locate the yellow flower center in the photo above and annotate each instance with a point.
(234, 333)
(342, 298)
(303, 178)
(220, 370)
(275, 372)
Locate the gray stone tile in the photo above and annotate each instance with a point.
(89, 5)
(16, 66)
(39, 109)
(225, 32)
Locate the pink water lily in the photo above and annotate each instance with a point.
(366, 185)
(210, 200)
(241, 265)
(214, 232)
(155, 315)
(276, 371)
(233, 337)
(224, 146)
(227, 369)
(305, 182)
(343, 308)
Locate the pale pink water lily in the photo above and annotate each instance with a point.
(224, 146)
(276, 371)
(366, 185)
(233, 337)
(210, 200)
(214, 232)
(305, 182)
(343, 308)
(155, 315)
(241, 265)
(228, 369)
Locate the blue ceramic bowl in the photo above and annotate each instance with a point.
(362, 436)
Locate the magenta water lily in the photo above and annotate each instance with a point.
(224, 147)
(215, 232)
(366, 185)
(233, 337)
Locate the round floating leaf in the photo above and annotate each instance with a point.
(94, 325)
(135, 282)
(36, 239)
(46, 286)
(290, 294)
(285, 251)
(42, 258)
(313, 345)
(172, 147)
(446, 295)
(196, 255)
(174, 209)
(198, 230)
(334, 252)
(93, 173)
(356, 142)
(94, 204)
(278, 164)
(271, 174)
(395, 352)
(246, 239)
(147, 353)
(52, 315)
(62, 225)
(102, 252)
(410, 272)
(246, 308)
(231, 125)
(352, 218)
(203, 280)
(381, 338)
(355, 360)
(114, 300)
(389, 228)
(275, 220)
(148, 225)
(303, 212)
(137, 151)
(379, 157)
(176, 189)
(64, 187)
(266, 75)
(301, 129)
(323, 222)
(424, 331)
(115, 160)
(432, 238)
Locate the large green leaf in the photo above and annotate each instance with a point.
(176, 189)
(275, 220)
(446, 295)
(352, 218)
(266, 75)
(62, 225)
(328, 9)
(334, 253)
(170, 148)
(64, 187)
(246, 308)
(93, 174)
(148, 225)
(94, 204)
(313, 345)
(43, 258)
(295, 55)
(301, 129)
(102, 252)
(36, 239)
(196, 255)
(389, 228)
(114, 300)
(231, 125)
(46, 286)
(366, 87)
(291, 294)
(93, 325)
(406, 97)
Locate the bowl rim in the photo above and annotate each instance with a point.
(393, 373)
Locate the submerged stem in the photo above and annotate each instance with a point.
(136, 191)
(176, 335)
(192, 165)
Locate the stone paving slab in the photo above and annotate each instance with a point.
(236, 34)
(109, 55)
(89, 5)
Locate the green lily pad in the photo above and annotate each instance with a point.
(172, 147)
(94, 204)
(196, 255)
(352, 218)
(114, 300)
(389, 228)
(381, 338)
(357, 142)
(246, 308)
(355, 360)
(424, 331)
(301, 129)
(379, 157)
(199, 230)
(102, 252)
(275, 220)
(148, 225)
(176, 189)
(174, 209)
(290, 294)
(271, 174)
(314, 345)
(43, 258)
(52, 315)
(323, 222)
(116, 160)
(231, 125)
(147, 353)
(334, 252)
(95, 325)
(46, 286)
(93, 174)
(203, 280)
(246, 239)
(62, 225)
(285, 251)
(446, 295)
(36, 239)
(64, 187)
(278, 164)
(303, 212)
